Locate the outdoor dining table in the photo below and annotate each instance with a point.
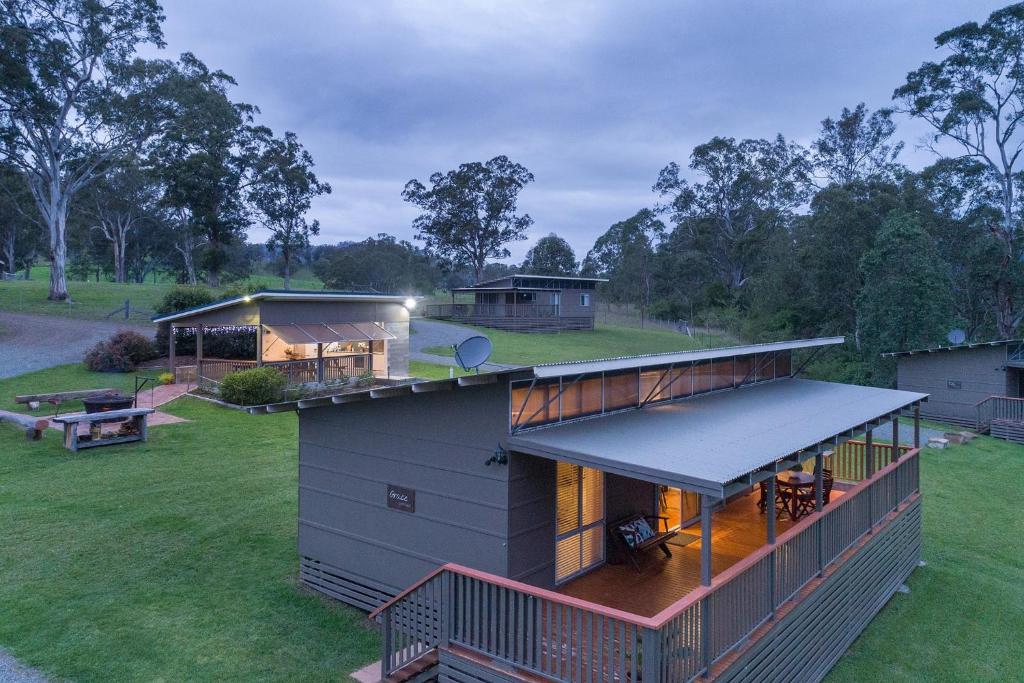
(790, 484)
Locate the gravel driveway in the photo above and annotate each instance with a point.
(33, 342)
(427, 333)
(13, 672)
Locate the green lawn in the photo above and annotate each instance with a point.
(172, 560)
(176, 559)
(95, 300)
(432, 370)
(603, 342)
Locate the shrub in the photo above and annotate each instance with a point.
(166, 378)
(121, 353)
(181, 297)
(253, 387)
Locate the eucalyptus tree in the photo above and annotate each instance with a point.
(469, 214)
(857, 145)
(20, 234)
(974, 101)
(205, 161)
(748, 189)
(73, 98)
(118, 206)
(551, 255)
(281, 193)
(624, 255)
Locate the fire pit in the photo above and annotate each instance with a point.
(103, 403)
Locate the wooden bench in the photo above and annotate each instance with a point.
(58, 397)
(136, 416)
(624, 533)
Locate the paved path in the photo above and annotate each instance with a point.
(33, 342)
(11, 671)
(884, 433)
(435, 333)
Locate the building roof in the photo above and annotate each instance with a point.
(654, 359)
(704, 443)
(282, 295)
(539, 277)
(958, 347)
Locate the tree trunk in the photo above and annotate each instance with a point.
(9, 245)
(58, 253)
(286, 255)
(120, 247)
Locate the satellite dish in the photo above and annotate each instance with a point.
(956, 336)
(471, 353)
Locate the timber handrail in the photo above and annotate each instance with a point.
(996, 396)
(681, 605)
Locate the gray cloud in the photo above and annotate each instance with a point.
(594, 98)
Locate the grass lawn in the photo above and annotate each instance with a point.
(171, 560)
(176, 559)
(94, 300)
(418, 368)
(603, 342)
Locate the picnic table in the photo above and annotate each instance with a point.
(137, 431)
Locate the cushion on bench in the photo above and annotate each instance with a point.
(636, 531)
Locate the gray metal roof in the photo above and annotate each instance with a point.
(706, 442)
(972, 345)
(540, 277)
(282, 295)
(652, 359)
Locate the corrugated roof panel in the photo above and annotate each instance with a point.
(712, 440)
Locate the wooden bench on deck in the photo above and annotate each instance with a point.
(137, 417)
(636, 534)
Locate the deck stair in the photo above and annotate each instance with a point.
(1002, 417)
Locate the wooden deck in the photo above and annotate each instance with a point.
(736, 531)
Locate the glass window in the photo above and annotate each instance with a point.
(702, 377)
(540, 404)
(721, 373)
(584, 299)
(744, 365)
(579, 519)
(655, 381)
(581, 398)
(621, 390)
(682, 382)
(783, 364)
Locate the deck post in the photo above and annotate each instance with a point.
(259, 345)
(869, 471)
(819, 505)
(199, 351)
(917, 425)
(170, 352)
(320, 362)
(769, 509)
(651, 668)
(895, 439)
(705, 538)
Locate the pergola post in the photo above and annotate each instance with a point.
(706, 502)
(199, 349)
(917, 425)
(171, 361)
(320, 362)
(769, 509)
(259, 345)
(869, 455)
(895, 439)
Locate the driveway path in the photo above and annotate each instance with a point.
(427, 333)
(33, 342)
(11, 671)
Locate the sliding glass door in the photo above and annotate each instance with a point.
(579, 520)
(681, 507)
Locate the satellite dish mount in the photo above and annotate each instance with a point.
(956, 336)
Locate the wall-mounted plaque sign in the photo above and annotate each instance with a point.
(401, 498)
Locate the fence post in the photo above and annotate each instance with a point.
(127, 308)
(385, 659)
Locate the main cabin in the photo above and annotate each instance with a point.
(979, 385)
(524, 303)
(653, 518)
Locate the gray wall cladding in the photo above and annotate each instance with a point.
(349, 454)
(956, 380)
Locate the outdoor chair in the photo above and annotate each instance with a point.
(806, 499)
(781, 497)
(635, 534)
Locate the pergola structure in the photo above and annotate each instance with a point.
(310, 336)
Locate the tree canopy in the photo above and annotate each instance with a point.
(551, 255)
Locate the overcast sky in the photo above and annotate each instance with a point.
(594, 98)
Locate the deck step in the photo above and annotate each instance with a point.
(418, 670)
(1008, 430)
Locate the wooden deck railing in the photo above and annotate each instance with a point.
(848, 461)
(491, 311)
(999, 408)
(572, 640)
(301, 371)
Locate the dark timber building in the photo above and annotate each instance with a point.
(498, 523)
(524, 303)
(969, 384)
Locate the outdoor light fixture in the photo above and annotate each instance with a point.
(500, 457)
(246, 298)
(410, 303)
